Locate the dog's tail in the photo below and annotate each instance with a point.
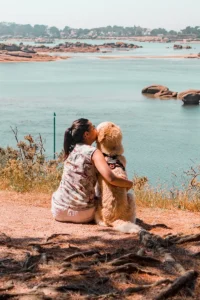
(126, 227)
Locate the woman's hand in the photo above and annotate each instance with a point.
(101, 165)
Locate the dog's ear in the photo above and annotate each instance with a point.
(101, 135)
(105, 131)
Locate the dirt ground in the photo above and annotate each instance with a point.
(35, 252)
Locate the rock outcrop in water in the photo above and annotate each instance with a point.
(21, 53)
(180, 47)
(154, 89)
(87, 48)
(159, 91)
(190, 97)
(72, 47)
(120, 45)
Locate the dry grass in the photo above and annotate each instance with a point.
(26, 169)
(188, 199)
(150, 198)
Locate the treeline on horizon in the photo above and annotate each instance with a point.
(27, 30)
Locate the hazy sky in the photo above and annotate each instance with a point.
(170, 14)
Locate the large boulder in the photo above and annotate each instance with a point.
(178, 47)
(166, 95)
(154, 89)
(159, 91)
(190, 97)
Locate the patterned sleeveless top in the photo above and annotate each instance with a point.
(76, 190)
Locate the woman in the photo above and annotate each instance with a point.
(74, 201)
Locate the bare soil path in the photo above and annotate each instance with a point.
(35, 250)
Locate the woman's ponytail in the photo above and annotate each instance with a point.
(74, 135)
(68, 142)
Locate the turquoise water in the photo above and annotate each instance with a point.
(160, 137)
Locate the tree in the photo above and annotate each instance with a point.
(159, 31)
(5, 29)
(172, 32)
(139, 31)
(23, 30)
(39, 30)
(191, 30)
(54, 32)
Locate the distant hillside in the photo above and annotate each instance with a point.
(29, 31)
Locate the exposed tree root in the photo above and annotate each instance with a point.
(178, 284)
(149, 227)
(56, 235)
(83, 254)
(93, 281)
(31, 261)
(129, 268)
(158, 245)
(185, 239)
(151, 240)
(196, 254)
(4, 239)
(134, 258)
(139, 288)
(71, 287)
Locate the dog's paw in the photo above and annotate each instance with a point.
(101, 223)
(126, 227)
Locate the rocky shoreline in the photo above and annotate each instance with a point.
(6, 57)
(21, 52)
(86, 48)
(15, 53)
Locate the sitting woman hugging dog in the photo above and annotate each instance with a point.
(74, 201)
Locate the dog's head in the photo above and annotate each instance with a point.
(109, 139)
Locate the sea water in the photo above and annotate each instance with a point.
(161, 137)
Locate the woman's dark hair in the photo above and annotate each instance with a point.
(74, 135)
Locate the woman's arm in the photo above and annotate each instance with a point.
(101, 165)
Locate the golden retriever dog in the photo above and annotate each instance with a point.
(116, 207)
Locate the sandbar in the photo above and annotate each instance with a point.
(150, 56)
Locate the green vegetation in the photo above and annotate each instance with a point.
(18, 30)
(26, 169)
